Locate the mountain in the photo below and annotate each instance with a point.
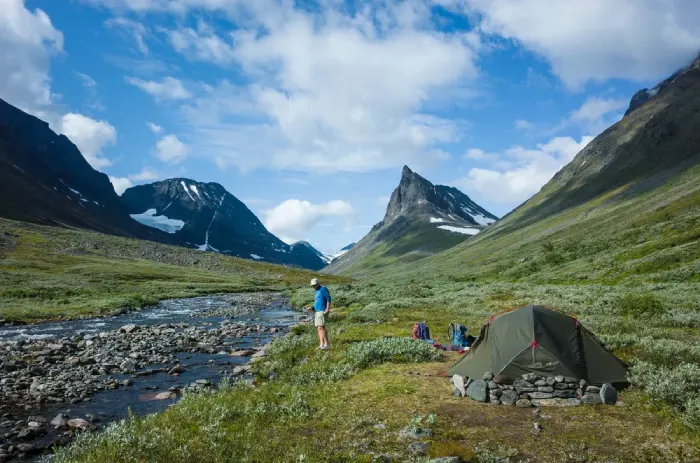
(421, 219)
(305, 245)
(209, 218)
(625, 209)
(342, 251)
(44, 179)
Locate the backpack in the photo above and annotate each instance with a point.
(457, 334)
(420, 331)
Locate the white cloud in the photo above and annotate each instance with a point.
(121, 184)
(333, 92)
(202, 45)
(167, 89)
(155, 128)
(520, 172)
(477, 154)
(293, 219)
(27, 40)
(382, 201)
(521, 124)
(596, 108)
(90, 136)
(133, 28)
(598, 39)
(171, 150)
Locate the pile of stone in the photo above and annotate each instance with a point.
(532, 390)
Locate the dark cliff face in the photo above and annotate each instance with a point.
(44, 179)
(206, 216)
(421, 219)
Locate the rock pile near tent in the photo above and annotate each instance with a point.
(533, 390)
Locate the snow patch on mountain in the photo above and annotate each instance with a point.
(184, 187)
(463, 231)
(161, 222)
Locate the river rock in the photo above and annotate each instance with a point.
(477, 390)
(243, 353)
(78, 423)
(509, 397)
(127, 365)
(164, 396)
(176, 370)
(238, 370)
(128, 329)
(608, 394)
(60, 421)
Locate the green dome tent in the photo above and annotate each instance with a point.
(543, 341)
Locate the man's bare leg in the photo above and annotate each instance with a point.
(321, 335)
(324, 336)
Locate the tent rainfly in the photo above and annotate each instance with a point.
(543, 341)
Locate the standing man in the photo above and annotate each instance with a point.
(321, 308)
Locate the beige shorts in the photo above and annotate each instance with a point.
(319, 318)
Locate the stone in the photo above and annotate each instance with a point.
(530, 377)
(78, 423)
(561, 386)
(446, 460)
(417, 448)
(477, 390)
(37, 419)
(556, 402)
(591, 399)
(545, 389)
(565, 394)
(523, 403)
(492, 385)
(243, 353)
(203, 382)
(521, 383)
(571, 379)
(127, 365)
(495, 392)
(524, 396)
(540, 383)
(494, 401)
(503, 379)
(608, 394)
(559, 379)
(176, 370)
(164, 396)
(239, 370)
(488, 376)
(128, 329)
(456, 392)
(583, 384)
(541, 395)
(509, 397)
(593, 389)
(550, 381)
(458, 383)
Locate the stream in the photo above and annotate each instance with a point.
(60, 378)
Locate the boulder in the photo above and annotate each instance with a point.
(523, 403)
(127, 365)
(458, 383)
(128, 328)
(78, 423)
(593, 389)
(164, 396)
(608, 394)
(243, 353)
(591, 399)
(509, 397)
(176, 370)
(477, 390)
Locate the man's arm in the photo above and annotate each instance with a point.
(328, 301)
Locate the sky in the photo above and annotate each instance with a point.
(307, 110)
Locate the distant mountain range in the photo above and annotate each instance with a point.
(421, 219)
(44, 179)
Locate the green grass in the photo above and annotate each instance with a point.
(52, 273)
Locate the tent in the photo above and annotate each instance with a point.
(543, 341)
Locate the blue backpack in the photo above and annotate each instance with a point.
(421, 331)
(458, 335)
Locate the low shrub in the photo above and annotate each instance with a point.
(639, 305)
(324, 373)
(392, 350)
(290, 342)
(672, 385)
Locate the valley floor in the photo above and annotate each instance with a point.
(370, 398)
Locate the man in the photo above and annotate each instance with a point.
(321, 309)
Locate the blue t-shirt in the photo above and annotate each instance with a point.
(323, 297)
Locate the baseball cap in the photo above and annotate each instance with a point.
(314, 282)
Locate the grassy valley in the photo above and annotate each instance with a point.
(52, 273)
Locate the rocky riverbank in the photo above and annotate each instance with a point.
(68, 371)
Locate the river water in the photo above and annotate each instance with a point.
(111, 405)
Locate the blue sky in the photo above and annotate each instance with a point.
(307, 110)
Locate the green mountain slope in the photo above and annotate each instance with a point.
(626, 208)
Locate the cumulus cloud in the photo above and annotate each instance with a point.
(167, 89)
(519, 172)
(121, 184)
(171, 150)
(27, 40)
(202, 45)
(292, 219)
(598, 39)
(155, 128)
(90, 136)
(521, 124)
(332, 92)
